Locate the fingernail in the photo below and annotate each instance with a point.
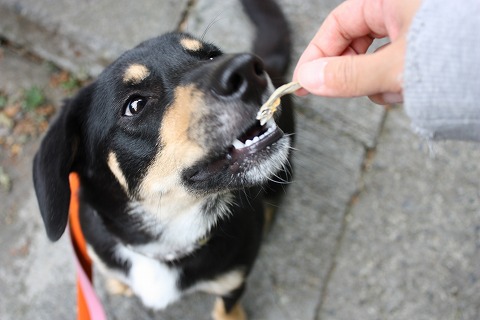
(311, 75)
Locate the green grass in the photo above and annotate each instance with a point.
(33, 98)
(71, 84)
(3, 101)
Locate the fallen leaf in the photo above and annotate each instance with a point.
(12, 110)
(5, 180)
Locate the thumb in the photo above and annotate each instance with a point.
(355, 75)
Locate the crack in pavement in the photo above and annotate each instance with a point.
(369, 156)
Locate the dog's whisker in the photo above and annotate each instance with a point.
(211, 24)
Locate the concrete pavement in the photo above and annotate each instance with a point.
(380, 224)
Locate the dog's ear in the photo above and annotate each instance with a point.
(55, 160)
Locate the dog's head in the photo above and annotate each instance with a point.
(172, 115)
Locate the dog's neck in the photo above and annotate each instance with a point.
(159, 251)
(179, 224)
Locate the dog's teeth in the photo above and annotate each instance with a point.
(237, 144)
(268, 132)
(271, 125)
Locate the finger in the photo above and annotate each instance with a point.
(349, 21)
(387, 97)
(346, 26)
(361, 45)
(302, 92)
(355, 75)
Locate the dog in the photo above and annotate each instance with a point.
(177, 175)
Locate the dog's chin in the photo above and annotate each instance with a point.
(251, 159)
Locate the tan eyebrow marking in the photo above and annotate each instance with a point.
(191, 44)
(135, 73)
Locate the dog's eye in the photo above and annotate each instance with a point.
(212, 54)
(134, 106)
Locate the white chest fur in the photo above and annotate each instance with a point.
(179, 226)
(153, 282)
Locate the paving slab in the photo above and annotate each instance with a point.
(412, 244)
(85, 36)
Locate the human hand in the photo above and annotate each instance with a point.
(335, 63)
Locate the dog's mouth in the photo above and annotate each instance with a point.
(255, 138)
(254, 146)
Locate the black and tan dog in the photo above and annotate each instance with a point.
(175, 170)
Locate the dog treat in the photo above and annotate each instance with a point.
(268, 108)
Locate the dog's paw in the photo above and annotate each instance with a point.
(219, 313)
(118, 288)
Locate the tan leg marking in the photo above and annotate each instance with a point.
(224, 283)
(219, 313)
(118, 288)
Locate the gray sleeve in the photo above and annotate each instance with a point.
(442, 70)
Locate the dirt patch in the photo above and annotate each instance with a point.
(31, 92)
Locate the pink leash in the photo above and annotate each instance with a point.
(89, 306)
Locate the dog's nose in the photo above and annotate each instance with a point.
(241, 76)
